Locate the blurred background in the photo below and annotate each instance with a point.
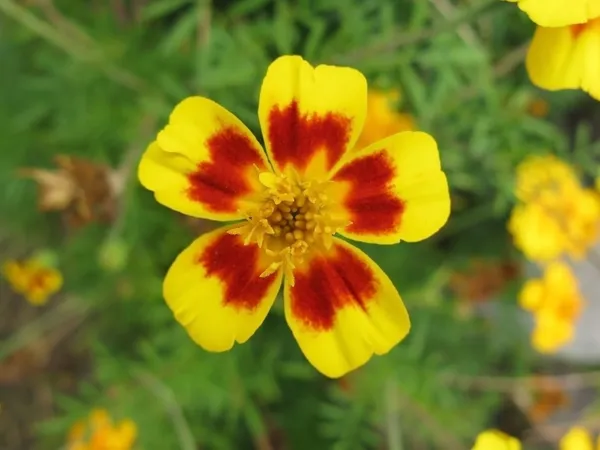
(86, 340)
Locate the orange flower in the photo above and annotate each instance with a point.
(383, 118)
(100, 433)
(33, 279)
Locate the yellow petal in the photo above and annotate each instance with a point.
(394, 190)
(496, 440)
(343, 309)
(204, 163)
(558, 13)
(551, 332)
(531, 296)
(215, 290)
(576, 439)
(538, 235)
(310, 116)
(566, 58)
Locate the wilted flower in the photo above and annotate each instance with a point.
(549, 397)
(538, 107)
(556, 303)
(339, 304)
(383, 118)
(82, 190)
(33, 279)
(496, 440)
(100, 433)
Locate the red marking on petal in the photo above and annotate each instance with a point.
(330, 284)
(236, 266)
(374, 209)
(39, 280)
(220, 182)
(577, 29)
(296, 138)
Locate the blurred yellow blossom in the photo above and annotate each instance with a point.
(538, 175)
(578, 439)
(100, 433)
(496, 440)
(556, 304)
(33, 279)
(556, 214)
(383, 118)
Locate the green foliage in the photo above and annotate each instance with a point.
(86, 80)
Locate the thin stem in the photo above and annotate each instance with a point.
(59, 315)
(70, 46)
(165, 395)
(392, 428)
(412, 38)
(569, 381)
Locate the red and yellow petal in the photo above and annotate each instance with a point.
(566, 58)
(310, 116)
(215, 290)
(558, 13)
(393, 190)
(342, 309)
(204, 163)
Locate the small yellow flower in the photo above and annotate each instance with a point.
(537, 234)
(578, 439)
(557, 215)
(556, 303)
(291, 200)
(496, 440)
(383, 118)
(33, 279)
(558, 13)
(100, 433)
(537, 175)
(551, 332)
(563, 57)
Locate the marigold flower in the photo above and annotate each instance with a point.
(33, 279)
(340, 306)
(557, 215)
(556, 303)
(558, 13)
(541, 175)
(100, 433)
(496, 440)
(565, 57)
(383, 118)
(578, 438)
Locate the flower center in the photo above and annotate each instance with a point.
(293, 218)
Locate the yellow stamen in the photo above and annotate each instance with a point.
(294, 218)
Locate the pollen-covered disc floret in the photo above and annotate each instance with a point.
(295, 217)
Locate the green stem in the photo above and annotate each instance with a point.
(74, 49)
(412, 38)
